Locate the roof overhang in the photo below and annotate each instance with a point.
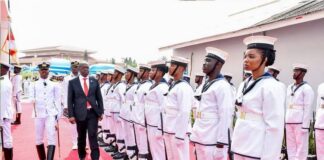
(250, 30)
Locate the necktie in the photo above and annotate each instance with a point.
(86, 89)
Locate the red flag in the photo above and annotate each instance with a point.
(11, 44)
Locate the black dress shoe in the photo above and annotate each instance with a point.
(111, 149)
(120, 156)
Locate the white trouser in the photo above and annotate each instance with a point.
(156, 143)
(238, 157)
(297, 142)
(319, 134)
(47, 123)
(120, 134)
(74, 134)
(209, 152)
(111, 124)
(7, 138)
(17, 103)
(26, 90)
(176, 149)
(130, 137)
(141, 138)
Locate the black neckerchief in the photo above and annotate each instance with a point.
(1, 78)
(142, 82)
(129, 87)
(103, 84)
(208, 84)
(246, 89)
(153, 86)
(294, 91)
(322, 98)
(119, 82)
(173, 85)
(109, 88)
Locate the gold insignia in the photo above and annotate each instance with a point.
(242, 115)
(198, 114)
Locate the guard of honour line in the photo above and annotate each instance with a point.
(136, 113)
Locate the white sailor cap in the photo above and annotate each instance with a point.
(104, 72)
(300, 66)
(179, 60)
(274, 68)
(110, 71)
(120, 69)
(132, 69)
(157, 63)
(260, 42)
(216, 53)
(144, 66)
(200, 75)
(227, 74)
(98, 72)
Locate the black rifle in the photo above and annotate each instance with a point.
(230, 154)
(165, 151)
(284, 146)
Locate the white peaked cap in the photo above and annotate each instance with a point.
(217, 52)
(132, 69)
(179, 59)
(300, 66)
(145, 66)
(120, 69)
(98, 72)
(259, 39)
(274, 68)
(228, 74)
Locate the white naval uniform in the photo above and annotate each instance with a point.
(65, 87)
(213, 121)
(319, 123)
(118, 91)
(26, 83)
(259, 129)
(47, 101)
(176, 116)
(298, 117)
(154, 101)
(108, 102)
(6, 110)
(139, 117)
(104, 123)
(126, 116)
(16, 81)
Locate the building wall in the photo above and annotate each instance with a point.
(301, 43)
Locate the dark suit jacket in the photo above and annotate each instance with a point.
(77, 99)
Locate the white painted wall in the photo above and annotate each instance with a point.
(301, 43)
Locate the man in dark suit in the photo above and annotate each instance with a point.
(85, 109)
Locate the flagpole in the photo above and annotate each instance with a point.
(9, 34)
